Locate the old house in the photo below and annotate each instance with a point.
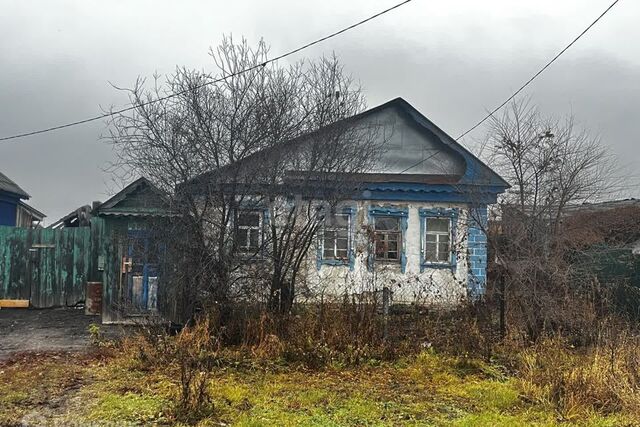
(415, 225)
(129, 253)
(14, 211)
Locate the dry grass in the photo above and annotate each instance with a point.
(604, 379)
(138, 384)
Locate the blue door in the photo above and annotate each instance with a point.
(142, 273)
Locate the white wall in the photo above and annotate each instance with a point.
(443, 286)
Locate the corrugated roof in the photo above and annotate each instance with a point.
(11, 187)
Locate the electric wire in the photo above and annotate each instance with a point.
(246, 70)
(527, 83)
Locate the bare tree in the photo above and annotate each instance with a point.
(551, 165)
(226, 143)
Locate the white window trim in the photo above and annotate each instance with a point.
(335, 241)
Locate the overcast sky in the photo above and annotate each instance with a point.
(452, 60)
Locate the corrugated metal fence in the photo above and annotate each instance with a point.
(48, 267)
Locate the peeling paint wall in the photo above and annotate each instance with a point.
(430, 285)
(48, 267)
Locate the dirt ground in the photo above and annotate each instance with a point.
(27, 330)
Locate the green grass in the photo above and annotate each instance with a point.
(128, 407)
(429, 389)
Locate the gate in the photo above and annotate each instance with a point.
(48, 267)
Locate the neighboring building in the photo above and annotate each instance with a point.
(14, 211)
(80, 217)
(128, 252)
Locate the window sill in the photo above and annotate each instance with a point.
(437, 265)
(335, 262)
(388, 261)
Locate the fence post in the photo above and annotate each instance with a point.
(386, 299)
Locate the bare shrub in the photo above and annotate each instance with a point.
(553, 166)
(602, 378)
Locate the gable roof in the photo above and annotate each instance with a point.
(140, 198)
(477, 172)
(9, 186)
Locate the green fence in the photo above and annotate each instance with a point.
(48, 267)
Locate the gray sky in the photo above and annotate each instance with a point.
(451, 60)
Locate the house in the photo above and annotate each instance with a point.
(414, 226)
(14, 211)
(129, 254)
(606, 239)
(79, 217)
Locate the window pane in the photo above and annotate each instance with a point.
(387, 223)
(338, 221)
(328, 252)
(241, 238)
(430, 255)
(443, 256)
(253, 238)
(249, 219)
(342, 234)
(392, 255)
(444, 238)
(329, 238)
(380, 248)
(341, 253)
(393, 246)
(342, 243)
(432, 238)
(438, 224)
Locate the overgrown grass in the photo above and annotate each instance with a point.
(427, 389)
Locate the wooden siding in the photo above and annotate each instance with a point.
(48, 267)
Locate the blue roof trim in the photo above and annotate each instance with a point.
(430, 193)
(434, 188)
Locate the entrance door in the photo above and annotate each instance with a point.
(141, 275)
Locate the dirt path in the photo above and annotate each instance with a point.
(23, 330)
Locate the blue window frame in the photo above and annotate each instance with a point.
(437, 238)
(335, 239)
(390, 229)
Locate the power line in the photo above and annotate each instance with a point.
(521, 88)
(246, 70)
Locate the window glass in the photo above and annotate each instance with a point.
(387, 238)
(335, 238)
(438, 240)
(248, 231)
(249, 219)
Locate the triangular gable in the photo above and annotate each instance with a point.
(416, 151)
(140, 197)
(418, 147)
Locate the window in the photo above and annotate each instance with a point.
(248, 231)
(438, 240)
(388, 237)
(335, 239)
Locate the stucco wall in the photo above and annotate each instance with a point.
(442, 285)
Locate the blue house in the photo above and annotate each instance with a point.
(14, 212)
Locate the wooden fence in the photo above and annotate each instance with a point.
(48, 267)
